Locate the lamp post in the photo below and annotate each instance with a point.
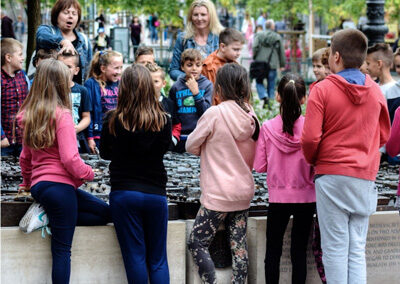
(375, 29)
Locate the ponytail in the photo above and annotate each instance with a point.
(101, 58)
(291, 90)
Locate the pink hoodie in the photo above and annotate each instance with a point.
(223, 139)
(289, 177)
(393, 144)
(59, 163)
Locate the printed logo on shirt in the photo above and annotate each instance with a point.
(109, 99)
(185, 101)
(76, 103)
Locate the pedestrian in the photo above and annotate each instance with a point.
(346, 122)
(101, 41)
(135, 136)
(289, 180)
(102, 85)
(7, 29)
(201, 33)
(51, 167)
(225, 139)
(19, 28)
(136, 30)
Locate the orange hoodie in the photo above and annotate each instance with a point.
(344, 127)
(211, 65)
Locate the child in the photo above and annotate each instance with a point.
(230, 45)
(379, 61)
(397, 61)
(14, 89)
(39, 56)
(51, 166)
(135, 136)
(158, 77)
(393, 145)
(224, 138)
(346, 122)
(191, 94)
(81, 106)
(318, 66)
(289, 179)
(102, 85)
(101, 41)
(144, 55)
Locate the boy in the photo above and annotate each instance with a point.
(14, 89)
(379, 61)
(318, 66)
(101, 41)
(81, 105)
(191, 94)
(144, 55)
(397, 61)
(39, 56)
(346, 122)
(158, 76)
(230, 45)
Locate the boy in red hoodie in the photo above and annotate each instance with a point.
(346, 122)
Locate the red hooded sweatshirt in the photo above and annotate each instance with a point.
(344, 127)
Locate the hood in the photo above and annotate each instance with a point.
(283, 141)
(269, 37)
(240, 123)
(358, 94)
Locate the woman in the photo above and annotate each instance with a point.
(135, 136)
(63, 35)
(201, 33)
(136, 30)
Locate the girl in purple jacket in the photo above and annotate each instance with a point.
(289, 179)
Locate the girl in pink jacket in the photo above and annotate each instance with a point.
(225, 138)
(289, 179)
(393, 145)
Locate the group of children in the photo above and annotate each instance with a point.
(326, 160)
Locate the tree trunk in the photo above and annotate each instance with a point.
(33, 23)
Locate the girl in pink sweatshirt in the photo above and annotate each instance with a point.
(225, 138)
(289, 179)
(393, 145)
(51, 166)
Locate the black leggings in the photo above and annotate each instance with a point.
(278, 218)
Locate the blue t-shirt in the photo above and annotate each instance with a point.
(80, 102)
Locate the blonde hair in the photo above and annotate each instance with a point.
(214, 25)
(154, 68)
(138, 107)
(101, 58)
(50, 90)
(8, 46)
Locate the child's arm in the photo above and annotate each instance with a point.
(69, 154)
(25, 162)
(106, 139)
(312, 130)
(199, 135)
(4, 141)
(84, 123)
(91, 88)
(260, 159)
(393, 144)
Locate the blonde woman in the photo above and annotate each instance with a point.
(51, 166)
(201, 33)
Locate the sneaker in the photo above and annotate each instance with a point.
(35, 218)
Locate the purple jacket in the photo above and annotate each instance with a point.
(289, 176)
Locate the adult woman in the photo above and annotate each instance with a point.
(201, 33)
(63, 35)
(136, 30)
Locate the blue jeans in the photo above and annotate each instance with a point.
(154, 34)
(344, 205)
(271, 86)
(12, 150)
(66, 207)
(141, 220)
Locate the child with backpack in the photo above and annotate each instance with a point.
(225, 138)
(289, 179)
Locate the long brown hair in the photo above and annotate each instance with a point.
(138, 106)
(50, 90)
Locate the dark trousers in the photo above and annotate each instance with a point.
(141, 220)
(278, 218)
(65, 208)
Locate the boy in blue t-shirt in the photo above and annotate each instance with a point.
(80, 101)
(191, 94)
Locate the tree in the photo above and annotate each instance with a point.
(33, 12)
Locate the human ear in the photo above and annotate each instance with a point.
(77, 71)
(278, 97)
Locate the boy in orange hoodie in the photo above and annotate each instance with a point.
(346, 122)
(230, 45)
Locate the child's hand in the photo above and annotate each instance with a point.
(92, 146)
(5, 143)
(192, 85)
(22, 188)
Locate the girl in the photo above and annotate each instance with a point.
(102, 85)
(135, 137)
(289, 179)
(225, 138)
(51, 166)
(393, 145)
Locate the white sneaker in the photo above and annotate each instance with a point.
(35, 218)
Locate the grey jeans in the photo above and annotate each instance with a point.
(344, 205)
